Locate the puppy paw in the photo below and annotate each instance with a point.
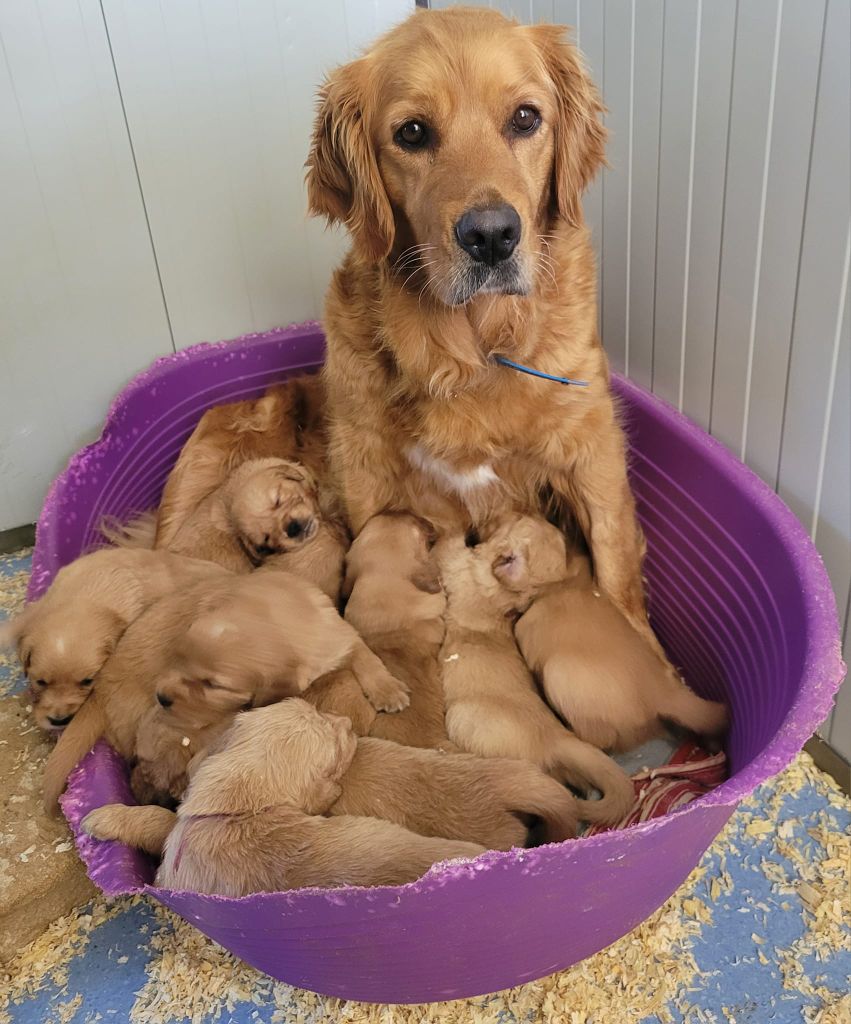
(104, 822)
(386, 693)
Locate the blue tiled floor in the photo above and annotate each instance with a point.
(739, 944)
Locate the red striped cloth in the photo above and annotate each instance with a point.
(690, 773)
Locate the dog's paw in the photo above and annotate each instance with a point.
(385, 693)
(104, 822)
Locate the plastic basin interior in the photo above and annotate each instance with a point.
(737, 593)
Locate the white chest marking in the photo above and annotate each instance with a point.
(460, 483)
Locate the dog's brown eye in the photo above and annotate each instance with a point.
(86, 682)
(41, 682)
(412, 135)
(525, 120)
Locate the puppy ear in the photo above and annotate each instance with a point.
(343, 180)
(12, 630)
(580, 137)
(322, 795)
(427, 578)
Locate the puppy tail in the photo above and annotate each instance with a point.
(140, 532)
(707, 718)
(78, 738)
(531, 791)
(586, 766)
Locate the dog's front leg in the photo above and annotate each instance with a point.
(596, 487)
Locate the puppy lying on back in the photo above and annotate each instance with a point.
(250, 819)
(126, 686)
(492, 706)
(267, 636)
(396, 603)
(64, 638)
(597, 672)
(288, 422)
(264, 507)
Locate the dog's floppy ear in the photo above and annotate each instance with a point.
(580, 138)
(343, 180)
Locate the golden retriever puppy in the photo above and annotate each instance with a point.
(596, 671)
(456, 152)
(64, 638)
(488, 801)
(267, 636)
(288, 422)
(322, 561)
(125, 688)
(492, 706)
(264, 507)
(491, 801)
(250, 818)
(161, 763)
(396, 603)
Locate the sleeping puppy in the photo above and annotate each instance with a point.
(250, 819)
(164, 755)
(597, 672)
(492, 706)
(64, 638)
(267, 636)
(321, 561)
(459, 796)
(264, 507)
(396, 603)
(125, 688)
(488, 801)
(287, 422)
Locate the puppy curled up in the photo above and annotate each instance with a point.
(64, 638)
(265, 506)
(287, 422)
(596, 670)
(251, 819)
(492, 706)
(397, 604)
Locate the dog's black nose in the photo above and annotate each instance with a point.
(489, 233)
(59, 721)
(165, 702)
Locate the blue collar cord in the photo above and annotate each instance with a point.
(539, 373)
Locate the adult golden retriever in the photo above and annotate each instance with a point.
(456, 152)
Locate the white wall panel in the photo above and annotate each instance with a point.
(80, 304)
(220, 98)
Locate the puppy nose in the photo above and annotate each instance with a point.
(295, 528)
(165, 702)
(59, 721)
(489, 233)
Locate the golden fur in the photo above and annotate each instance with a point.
(492, 707)
(64, 638)
(396, 603)
(266, 636)
(596, 671)
(287, 422)
(250, 819)
(321, 561)
(420, 417)
(264, 507)
(125, 688)
(490, 801)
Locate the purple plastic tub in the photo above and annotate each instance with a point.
(738, 595)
